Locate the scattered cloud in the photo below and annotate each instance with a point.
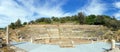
(93, 7)
(49, 8)
(25, 10)
(10, 12)
(117, 14)
(117, 4)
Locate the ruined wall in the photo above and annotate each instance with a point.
(62, 35)
(65, 31)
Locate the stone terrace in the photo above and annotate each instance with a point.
(63, 34)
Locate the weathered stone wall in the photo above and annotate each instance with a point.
(64, 31)
(63, 35)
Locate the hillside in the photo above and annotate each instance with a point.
(111, 22)
(78, 26)
(56, 32)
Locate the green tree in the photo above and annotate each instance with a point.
(74, 18)
(15, 25)
(47, 20)
(12, 25)
(32, 22)
(99, 20)
(25, 23)
(39, 20)
(62, 20)
(56, 19)
(81, 18)
(18, 23)
(90, 19)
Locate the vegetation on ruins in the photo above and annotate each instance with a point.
(111, 22)
(15, 25)
(80, 18)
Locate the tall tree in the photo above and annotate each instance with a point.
(12, 25)
(81, 18)
(90, 19)
(18, 23)
(25, 23)
(99, 20)
(56, 19)
(47, 20)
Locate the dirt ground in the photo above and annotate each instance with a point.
(64, 42)
(58, 40)
(6, 49)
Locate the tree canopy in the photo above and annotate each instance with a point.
(80, 18)
(15, 25)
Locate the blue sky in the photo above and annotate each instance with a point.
(26, 10)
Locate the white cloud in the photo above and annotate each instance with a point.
(117, 4)
(24, 10)
(93, 7)
(10, 12)
(117, 15)
(49, 8)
